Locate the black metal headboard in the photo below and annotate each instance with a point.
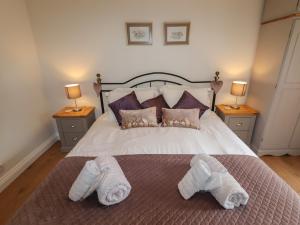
(163, 77)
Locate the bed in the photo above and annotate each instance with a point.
(154, 160)
(214, 137)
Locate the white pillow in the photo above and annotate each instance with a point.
(172, 94)
(142, 94)
(203, 95)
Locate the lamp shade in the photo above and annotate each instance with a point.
(73, 91)
(238, 88)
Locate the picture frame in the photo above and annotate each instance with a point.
(139, 33)
(177, 33)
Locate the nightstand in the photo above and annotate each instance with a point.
(240, 121)
(73, 125)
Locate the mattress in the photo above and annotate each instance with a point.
(214, 137)
(155, 199)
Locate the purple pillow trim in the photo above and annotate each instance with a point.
(159, 102)
(128, 102)
(188, 101)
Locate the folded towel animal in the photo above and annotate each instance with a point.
(106, 162)
(114, 187)
(199, 177)
(213, 163)
(86, 183)
(221, 184)
(230, 194)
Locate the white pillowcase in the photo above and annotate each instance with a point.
(142, 94)
(172, 94)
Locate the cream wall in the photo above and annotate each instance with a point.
(78, 38)
(25, 122)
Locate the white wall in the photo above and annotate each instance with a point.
(24, 115)
(78, 38)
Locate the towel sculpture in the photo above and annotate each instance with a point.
(86, 182)
(114, 187)
(104, 175)
(208, 174)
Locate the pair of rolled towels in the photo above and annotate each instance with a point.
(207, 174)
(103, 175)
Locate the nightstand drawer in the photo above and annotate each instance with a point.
(239, 123)
(72, 125)
(72, 138)
(243, 135)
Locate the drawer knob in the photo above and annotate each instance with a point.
(75, 138)
(73, 126)
(239, 124)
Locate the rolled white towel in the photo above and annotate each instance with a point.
(214, 181)
(107, 162)
(230, 194)
(213, 163)
(114, 186)
(196, 179)
(86, 182)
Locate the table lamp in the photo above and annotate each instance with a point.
(238, 88)
(73, 92)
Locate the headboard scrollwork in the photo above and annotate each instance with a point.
(161, 77)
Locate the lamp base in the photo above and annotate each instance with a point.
(76, 109)
(235, 106)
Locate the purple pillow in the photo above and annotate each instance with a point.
(188, 101)
(159, 102)
(128, 102)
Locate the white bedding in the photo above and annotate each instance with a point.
(214, 137)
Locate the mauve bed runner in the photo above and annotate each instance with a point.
(155, 199)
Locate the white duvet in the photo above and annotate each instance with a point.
(214, 138)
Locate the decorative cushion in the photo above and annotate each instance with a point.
(158, 102)
(188, 101)
(128, 102)
(188, 118)
(139, 118)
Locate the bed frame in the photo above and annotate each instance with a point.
(150, 79)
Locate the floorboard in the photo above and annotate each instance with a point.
(19, 190)
(288, 167)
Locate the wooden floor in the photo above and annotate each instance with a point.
(19, 190)
(288, 167)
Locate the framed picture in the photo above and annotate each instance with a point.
(177, 33)
(139, 33)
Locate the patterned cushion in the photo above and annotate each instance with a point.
(181, 118)
(158, 102)
(188, 101)
(139, 118)
(128, 102)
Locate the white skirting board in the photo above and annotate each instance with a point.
(277, 152)
(23, 164)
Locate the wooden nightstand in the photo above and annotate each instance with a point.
(240, 121)
(73, 125)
